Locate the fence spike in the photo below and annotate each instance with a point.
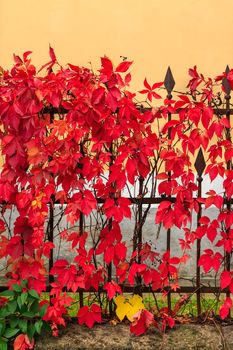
(169, 81)
(225, 82)
(200, 163)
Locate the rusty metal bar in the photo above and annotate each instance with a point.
(138, 232)
(169, 84)
(135, 200)
(50, 237)
(81, 229)
(81, 225)
(147, 289)
(199, 165)
(62, 110)
(51, 221)
(198, 270)
(109, 267)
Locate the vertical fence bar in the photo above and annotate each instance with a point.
(199, 166)
(109, 267)
(140, 213)
(51, 221)
(51, 236)
(139, 232)
(169, 84)
(81, 230)
(81, 222)
(227, 88)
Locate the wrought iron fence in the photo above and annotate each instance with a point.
(140, 200)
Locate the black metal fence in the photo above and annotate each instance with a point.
(200, 164)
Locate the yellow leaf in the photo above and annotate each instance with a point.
(136, 304)
(128, 307)
(122, 307)
(119, 299)
(136, 300)
(122, 310)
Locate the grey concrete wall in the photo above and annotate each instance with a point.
(150, 232)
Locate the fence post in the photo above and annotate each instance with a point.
(139, 232)
(109, 267)
(51, 220)
(227, 88)
(199, 166)
(169, 84)
(81, 230)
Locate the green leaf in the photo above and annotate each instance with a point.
(38, 326)
(28, 314)
(23, 324)
(31, 331)
(4, 312)
(19, 301)
(35, 307)
(34, 293)
(12, 306)
(24, 297)
(13, 322)
(3, 344)
(17, 288)
(11, 332)
(43, 310)
(2, 327)
(7, 293)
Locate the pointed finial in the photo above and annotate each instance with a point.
(200, 163)
(225, 82)
(169, 81)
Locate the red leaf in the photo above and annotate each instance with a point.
(109, 254)
(207, 116)
(89, 316)
(225, 279)
(120, 251)
(225, 122)
(15, 247)
(52, 54)
(205, 261)
(123, 66)
(106, 63)
(225, 308)
(147, 85)
(142, 321)
(2, 226)
(112, 288)
(224, 311)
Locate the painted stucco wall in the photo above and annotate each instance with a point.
(153, 33)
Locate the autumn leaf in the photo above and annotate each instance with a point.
(128, 307)
(112, 288)
(123, 66)
(143, 319)
(89, 315)
(150, 90)
(225, 279)
(225, 308)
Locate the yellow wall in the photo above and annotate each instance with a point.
(154, 33)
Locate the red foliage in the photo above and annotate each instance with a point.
(89, 315)
(71, 136)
